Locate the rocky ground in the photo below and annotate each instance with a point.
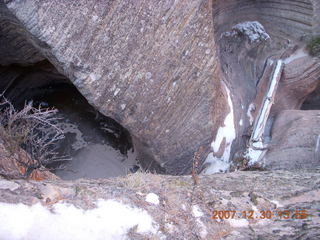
(185, 210)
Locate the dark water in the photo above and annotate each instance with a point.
(99, 147)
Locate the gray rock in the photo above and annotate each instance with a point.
(5, 184)
(253, 30)
(158, 58)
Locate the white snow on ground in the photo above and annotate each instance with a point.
(238, 222)
(197, 213)
(298, 54)
(228, 133)
(152, 198)
(254, 155)
(110, 220)
(216, 165)
(278, 205)
(72, 128)
(5, 184)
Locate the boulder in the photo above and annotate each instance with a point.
(151, 66)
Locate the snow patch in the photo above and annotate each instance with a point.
(95, 18)
(254, 155)
(241, 122)
(216, 165)
(5, 184)
(267, 103)
(196, 211)
(203, 229)
(153, 198)
(98, 161)
(254, 208)
(110, 220)
(278, 205)
(298, 54)
(227, 133)
(238, 222)
(94, 77)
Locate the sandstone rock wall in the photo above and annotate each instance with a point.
(295, 140)
(14, 47)
(151, 66)
(290, 25)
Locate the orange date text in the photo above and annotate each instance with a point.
(262, 214)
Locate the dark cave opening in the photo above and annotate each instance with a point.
(312, 102)
(98, 146)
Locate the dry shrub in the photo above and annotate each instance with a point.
(32, 129)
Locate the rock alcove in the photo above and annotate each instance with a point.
(96, 145)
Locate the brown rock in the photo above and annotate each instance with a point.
(14, 166)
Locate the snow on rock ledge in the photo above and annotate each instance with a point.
(225, 135)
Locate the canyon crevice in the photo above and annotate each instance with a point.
(188, 81)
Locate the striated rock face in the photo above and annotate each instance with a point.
(151, 66)
(295, 141)
(300, 78)
(14, 47)
(247, 56)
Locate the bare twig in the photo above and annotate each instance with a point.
(33, 129)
